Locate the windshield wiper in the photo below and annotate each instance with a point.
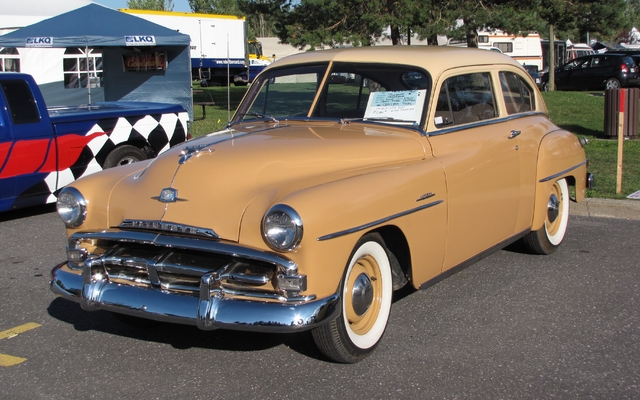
(262, 116)
(344, 121)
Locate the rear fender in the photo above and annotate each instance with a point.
(560, 156)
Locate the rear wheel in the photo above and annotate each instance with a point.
(547, 239)
(612, 83)
(123, 155)
(366, 294)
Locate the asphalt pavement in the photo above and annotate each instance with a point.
(511, 326)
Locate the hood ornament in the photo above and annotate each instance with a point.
(168, 195)
(193, 150)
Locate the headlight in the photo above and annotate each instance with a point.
(72, 207)
(282, 228)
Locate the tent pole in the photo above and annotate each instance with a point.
(86, 53)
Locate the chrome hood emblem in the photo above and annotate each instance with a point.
(191, 151)
(168, 195)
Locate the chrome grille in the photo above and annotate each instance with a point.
(178, 270)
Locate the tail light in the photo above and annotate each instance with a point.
(624, 68)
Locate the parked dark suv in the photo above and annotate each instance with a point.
(596, 71)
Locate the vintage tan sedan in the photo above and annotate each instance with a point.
(343, 176)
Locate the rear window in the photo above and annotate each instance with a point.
(518, 95)
(22, 106)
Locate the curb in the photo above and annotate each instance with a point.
(607, 208)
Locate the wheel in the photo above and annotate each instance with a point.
(612, 83)
(545, 87)
(547, 239)
(365, 294)
(123, 155)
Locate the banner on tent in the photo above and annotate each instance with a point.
(155, 61)
(39, 42)
(140, 40)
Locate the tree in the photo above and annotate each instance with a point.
(360, 22)
(603, 18)
(263, 16)
(226, 7)
(155, 5)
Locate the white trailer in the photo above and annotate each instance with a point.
(219, 46)
(527, 50)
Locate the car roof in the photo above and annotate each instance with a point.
(433, 58)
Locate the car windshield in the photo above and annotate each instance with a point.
(384, 93)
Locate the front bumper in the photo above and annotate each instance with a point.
(211, 310)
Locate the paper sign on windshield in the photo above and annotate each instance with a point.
(402, 106)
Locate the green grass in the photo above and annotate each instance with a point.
(579, 112)
(583, 114)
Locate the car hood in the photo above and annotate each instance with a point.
(214, 178)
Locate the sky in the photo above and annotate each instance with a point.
(178, 5)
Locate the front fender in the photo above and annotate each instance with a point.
(336, 214)
(97, 188)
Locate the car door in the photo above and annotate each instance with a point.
(581, 74)
(481, 166)
(7, 178)
(31, 156)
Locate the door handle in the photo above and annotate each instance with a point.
(514, 134)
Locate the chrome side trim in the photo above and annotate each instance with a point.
(483, 123)
(378, 222)
(157, 225)
(554, 176)
(212, 310)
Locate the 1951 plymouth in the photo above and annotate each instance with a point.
(344, 175)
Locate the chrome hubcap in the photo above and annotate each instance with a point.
(362, 294)
(553, 208)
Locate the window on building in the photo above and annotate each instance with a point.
(82, 69)
(9, 60)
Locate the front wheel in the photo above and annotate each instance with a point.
(366, 294)
(547, 239)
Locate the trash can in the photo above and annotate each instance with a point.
(612, 112)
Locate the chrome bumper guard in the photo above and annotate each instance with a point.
(189, 280)
(212, 310)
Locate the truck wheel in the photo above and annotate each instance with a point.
(366, 294)
(123, 155)
(547, 239)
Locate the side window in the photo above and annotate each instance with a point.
(22, 106)
(464, 99)
(518, 95)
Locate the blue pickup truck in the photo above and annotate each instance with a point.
(42, 150)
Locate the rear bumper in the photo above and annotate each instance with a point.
(212, 310)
